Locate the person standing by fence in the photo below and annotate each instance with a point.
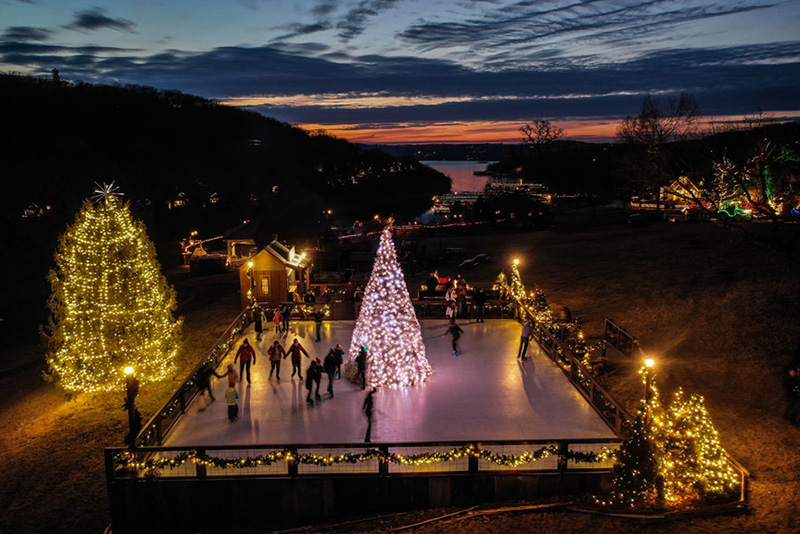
(296, 351)
(524, 339)
(248, 356)
(791, 388)
(479, 299)
(204, 380)
(275, 353)
(369, 409)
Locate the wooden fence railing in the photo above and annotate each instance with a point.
(154, 432)
(619, 338)
(169, 462)
(612, 412)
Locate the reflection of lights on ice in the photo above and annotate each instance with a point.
(388, 325)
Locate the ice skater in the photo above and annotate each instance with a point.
(524, 340)
(258, 322)
(275, 352)
(277, 319)
(296, 351)
(318, 323)
(204, 381)
(338, 354)
(361, 367)
(369, 409)
(248, 356)
(233, 407)
(455, 331)
(330, 369)
(313, 376)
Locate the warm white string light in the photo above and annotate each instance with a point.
(111, 307)
(387, 325)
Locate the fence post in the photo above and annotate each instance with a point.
(158, 429)
(383, 463)
(200, 468)
(563, 449)
(291, 464)
(473, 461)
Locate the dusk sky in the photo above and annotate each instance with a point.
(425, 70)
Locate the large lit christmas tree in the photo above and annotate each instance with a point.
(387, 325)
(110, 305)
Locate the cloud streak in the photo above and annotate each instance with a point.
(96, 19)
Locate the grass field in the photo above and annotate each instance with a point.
(718, 314)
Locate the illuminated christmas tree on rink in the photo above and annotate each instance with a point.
(387, 325)
(110, 307)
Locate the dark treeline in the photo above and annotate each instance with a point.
(449, 152)
(59, 138)
(605, 169)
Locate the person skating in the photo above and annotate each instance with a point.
(361, 367)
(230, 398)
(313, 376)
(318, 323)
(369, 409)
(524, 339)
(204, 380)
(277, 319)
(247, 355)
(296, 351)
(454, 330)
(330, 369)
(338, 353)
(286, 314)
(258, 322)
(276, 352)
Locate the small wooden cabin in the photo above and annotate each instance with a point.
(277, 272)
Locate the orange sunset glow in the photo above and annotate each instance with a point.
(591, 130)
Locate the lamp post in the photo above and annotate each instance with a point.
(251, 293)
(649, 363)
(134, 417)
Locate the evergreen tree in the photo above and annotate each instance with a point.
(387, 325)
(636, 469)
(693, 461)
(110, 305)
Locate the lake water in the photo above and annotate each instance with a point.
(461, 173)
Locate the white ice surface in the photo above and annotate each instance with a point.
(483, 394)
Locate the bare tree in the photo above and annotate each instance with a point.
(539, 136)
(650, 133)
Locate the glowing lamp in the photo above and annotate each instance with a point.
(128, 370)
(516, 261)
(649, 362)
(250, 264)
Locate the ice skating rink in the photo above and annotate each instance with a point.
(482, 394)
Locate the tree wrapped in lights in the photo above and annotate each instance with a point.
(692, 459)
(110, 305)
(387, 325)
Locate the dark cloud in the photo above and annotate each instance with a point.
(323, 8)
(95, 19)
(531, 24)
(296, 30)
(353, 23)
(26, 33)
(728, 80)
